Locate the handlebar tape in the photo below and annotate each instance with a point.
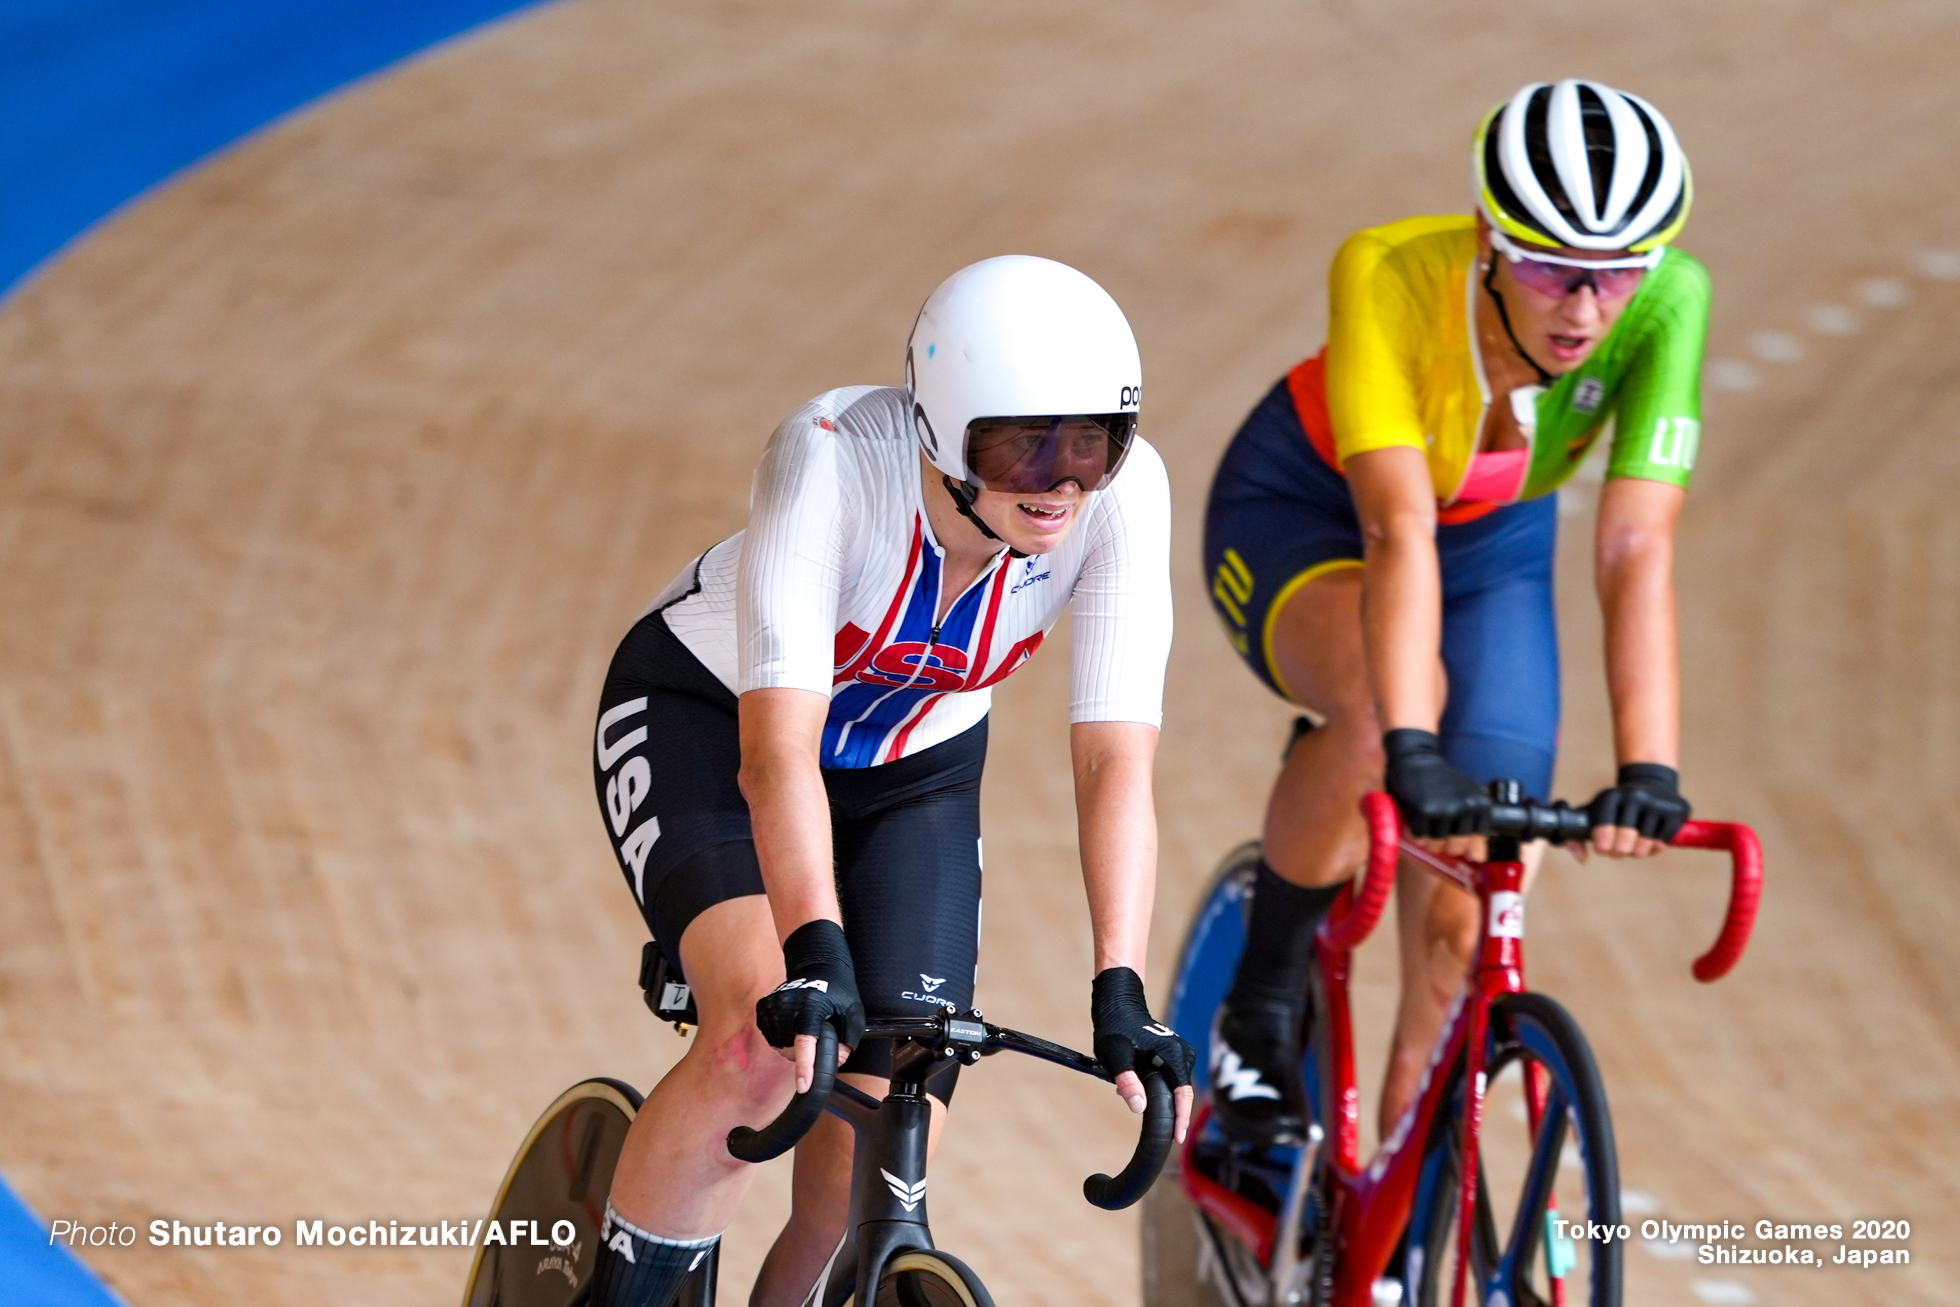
(1114, 1193)
(1745, 890)
(782, 1134)
(1359, 913)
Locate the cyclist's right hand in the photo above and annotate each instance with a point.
(821, 989)
(1437, 800)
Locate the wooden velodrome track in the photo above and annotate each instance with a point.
(330, 474)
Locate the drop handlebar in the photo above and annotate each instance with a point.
(968, 1039)
(1559, 823)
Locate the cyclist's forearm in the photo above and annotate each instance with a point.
(1116, 823)
(1401, 585)
(788, 806)
(1634, 573)
(1402, 624)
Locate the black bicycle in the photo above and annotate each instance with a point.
(563, 1172)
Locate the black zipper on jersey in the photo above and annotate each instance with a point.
(979, 582)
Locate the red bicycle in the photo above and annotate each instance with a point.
(1309, 1223)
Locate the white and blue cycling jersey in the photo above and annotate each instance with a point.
(834, 586)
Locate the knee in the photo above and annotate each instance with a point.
(743, 1065)
(1356, 734)
(1450, 928)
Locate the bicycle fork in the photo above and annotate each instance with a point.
(888, 1186)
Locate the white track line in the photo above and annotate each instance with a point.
(1940, 265)
(1832, 320)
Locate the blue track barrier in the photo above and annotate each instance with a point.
(35, 1271)
(102, 99)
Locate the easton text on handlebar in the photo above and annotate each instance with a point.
(965, 1038)
(1559, 823)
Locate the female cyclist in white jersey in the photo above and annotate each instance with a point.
(790, 741)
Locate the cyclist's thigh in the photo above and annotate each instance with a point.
(1279, 521)
(666, 754)
(730, 955)
(1500, 646)
(1317, 649)
(907, 838)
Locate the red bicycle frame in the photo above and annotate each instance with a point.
(1370, 1204)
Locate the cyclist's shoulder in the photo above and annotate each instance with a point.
(873, 413)
(857, 425)
(1402, 277)
(1682, 282)
(1671, 310)
(1426, 243)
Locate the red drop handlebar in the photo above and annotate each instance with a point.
(1745, 890)
(1358, 913)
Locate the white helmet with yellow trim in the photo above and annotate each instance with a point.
(1580, 164)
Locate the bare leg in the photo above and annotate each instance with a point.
(675, 1177)
(1437, 927)
(1314, 839)
(1314, 833)
(819, 1203)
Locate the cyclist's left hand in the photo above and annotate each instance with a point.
(1129, 1040)
(1640, 813)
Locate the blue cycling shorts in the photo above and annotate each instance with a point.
(1279, 518)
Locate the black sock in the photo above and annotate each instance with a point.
(637, 1269)
(1279, 939)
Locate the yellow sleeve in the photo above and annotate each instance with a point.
(1371, 359)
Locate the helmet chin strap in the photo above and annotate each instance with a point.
(963, 497)
(1490, 279)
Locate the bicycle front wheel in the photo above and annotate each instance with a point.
(925, 1278)
(561, 1176)
(1534, 1183)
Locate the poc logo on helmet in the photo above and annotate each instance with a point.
(1132, 397)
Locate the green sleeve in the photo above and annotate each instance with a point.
(1657, 430)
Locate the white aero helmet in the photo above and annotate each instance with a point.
(1578, 163)
(1022, 374)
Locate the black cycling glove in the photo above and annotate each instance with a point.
(822, 988)
(1646, 797)
(1436, 799)
(1128, 1038)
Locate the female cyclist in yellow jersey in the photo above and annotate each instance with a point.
(1380, 538)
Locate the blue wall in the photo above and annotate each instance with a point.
(34, 1270)
(102, 99)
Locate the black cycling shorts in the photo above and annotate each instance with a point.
(905, 834)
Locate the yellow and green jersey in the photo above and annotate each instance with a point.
(1401, 367)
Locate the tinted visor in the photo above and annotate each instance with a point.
(1558, 276)
(1029, 455)
(1561, 279)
